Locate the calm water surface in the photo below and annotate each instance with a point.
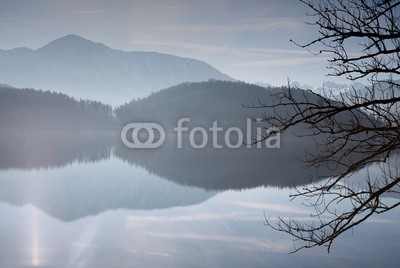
(82, 200)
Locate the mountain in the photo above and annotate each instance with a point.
(358, 92)
(263, 84)
(328, 88)
(45, 110)
(89, 70)
(333, 90)
(300, 86)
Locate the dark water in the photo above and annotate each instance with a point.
(83, 200)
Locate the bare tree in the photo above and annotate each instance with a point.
(353, 129)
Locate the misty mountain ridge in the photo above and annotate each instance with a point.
(334, 90)
(327, 87)
(84, 69)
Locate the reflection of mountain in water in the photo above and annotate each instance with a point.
(79, 191)
(39, 169)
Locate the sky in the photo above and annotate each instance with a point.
(247, 40)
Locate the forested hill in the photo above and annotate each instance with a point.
(203, 102)
(36, 109)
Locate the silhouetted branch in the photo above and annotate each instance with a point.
(353, 129)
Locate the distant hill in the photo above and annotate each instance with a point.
(84, 69)
(45, 110)
(203, 103)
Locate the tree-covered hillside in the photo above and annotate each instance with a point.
(203, 102)
(36, 109)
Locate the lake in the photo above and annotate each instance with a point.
(83, 200)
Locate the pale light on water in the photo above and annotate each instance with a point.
(35, 241)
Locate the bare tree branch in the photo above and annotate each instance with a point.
(353, 130)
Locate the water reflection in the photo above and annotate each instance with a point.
(97, 180)
(224, 169)
(206, 168)
(94, 179)
(51, 149)
(84, 200)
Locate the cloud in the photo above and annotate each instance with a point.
(252, 52)
(90, 11)
(277, 62)
(166, 8)
(152, 253)
(132, 220)
(138, 9)
(154, 8)
(273, 207)
(257, 26)
(246, 242)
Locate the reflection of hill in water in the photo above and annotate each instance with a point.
(52, 149)
(226, 168)
(33, 173)
(207, 168)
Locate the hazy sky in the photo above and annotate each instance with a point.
(248, 40)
